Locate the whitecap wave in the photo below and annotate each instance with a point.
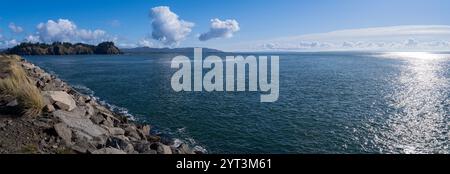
(200, 149)
(84, 90)
(116, 109)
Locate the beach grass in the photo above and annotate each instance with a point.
(16, 83)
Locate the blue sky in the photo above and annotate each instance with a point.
(259, 21)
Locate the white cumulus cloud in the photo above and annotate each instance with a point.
(167, 27)
(65, 30)
(32, 39)
(62, 30)
(88, 35)
(145, 43)
(14, 28)
(220, 29)
(8, 43)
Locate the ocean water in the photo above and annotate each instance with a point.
(328, 103)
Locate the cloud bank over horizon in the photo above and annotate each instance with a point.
(409, 38)
(220, 29)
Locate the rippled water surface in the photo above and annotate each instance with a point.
(329, 102)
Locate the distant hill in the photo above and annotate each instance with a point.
(167, 50)
(58, 48)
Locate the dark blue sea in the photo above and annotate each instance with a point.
(329, 102)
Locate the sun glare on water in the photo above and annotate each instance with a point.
(414, 55)
(419, 98)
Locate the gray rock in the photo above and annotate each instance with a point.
(108, 122)
(49, 108)
(97, 119)
(61, 99)
(2, 125)
(87, 99)
(49, 87)
(116, 131)
(89, 111)
(45, 77)
(152, 138)
(143, 146)
(28, 66)
(185, 149)
(164, 149)
(108, 151)
(142, 134)
(79, 135)
(130, 131)
(78, 122)
(58, 83)
(110, 116)
(40, 84)
(84, 143)
(99, 141)
(13, 103)
(81, 99)
(102, 109)
(46, 100)
(38, 71)
(79, 147)
(64, 132)
(120, 142)
(9, 122)
(146, 130)
(82, 147)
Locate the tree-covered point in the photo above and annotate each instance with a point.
(63, 48)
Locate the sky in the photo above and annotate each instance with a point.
(260, 25)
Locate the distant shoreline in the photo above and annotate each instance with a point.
(104, 48)
(63, 48)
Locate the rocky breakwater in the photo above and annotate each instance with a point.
(77, 123)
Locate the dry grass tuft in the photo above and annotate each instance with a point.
(18, 84)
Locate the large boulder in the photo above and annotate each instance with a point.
(131, 132)
(97, 119)
(164, 149)
(49, 108)
(184, 149)
(77, 121)
(64, 132)
(61, 99)
(120, 142)
(28, 66)
(116, 131)
(146, 130)
(84, 143)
